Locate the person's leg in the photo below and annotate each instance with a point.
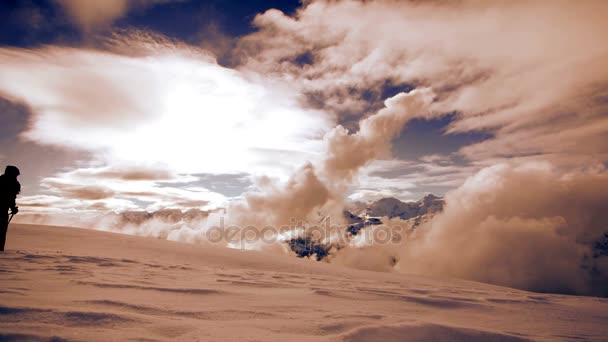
(3, 228)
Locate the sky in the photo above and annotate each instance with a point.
(157, 104)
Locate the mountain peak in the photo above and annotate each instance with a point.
(393, 207)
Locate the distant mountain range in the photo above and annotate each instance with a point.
(362, 215)
(392, 207)
(358, 215)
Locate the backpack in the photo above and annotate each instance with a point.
(9, 188)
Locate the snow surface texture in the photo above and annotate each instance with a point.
(75, 284)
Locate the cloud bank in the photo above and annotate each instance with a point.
(522, 226)
(525, 226)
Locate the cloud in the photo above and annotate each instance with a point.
(166, 105)
(522, 226)
(66, 209)
(370, 195)
(86, 192)
(533, 73)
(127, 173)
(92, 14)
(174, 106)
(318, 190)
(315, 190)
(347, 153)
(278, 203)
(410, 180)
(102, 189)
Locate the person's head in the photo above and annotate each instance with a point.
(12, 171)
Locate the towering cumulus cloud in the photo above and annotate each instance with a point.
(346, 154)
(322, 189)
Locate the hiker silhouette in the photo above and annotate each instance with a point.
(9, 188)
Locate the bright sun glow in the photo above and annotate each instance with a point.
(184, 112)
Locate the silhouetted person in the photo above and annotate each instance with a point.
(9, 188)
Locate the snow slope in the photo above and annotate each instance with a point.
(76, 284)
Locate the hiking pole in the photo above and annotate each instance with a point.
(12, 214)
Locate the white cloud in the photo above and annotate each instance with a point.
(172, 107)
(118, 189)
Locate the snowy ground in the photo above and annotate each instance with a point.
(77, 284)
